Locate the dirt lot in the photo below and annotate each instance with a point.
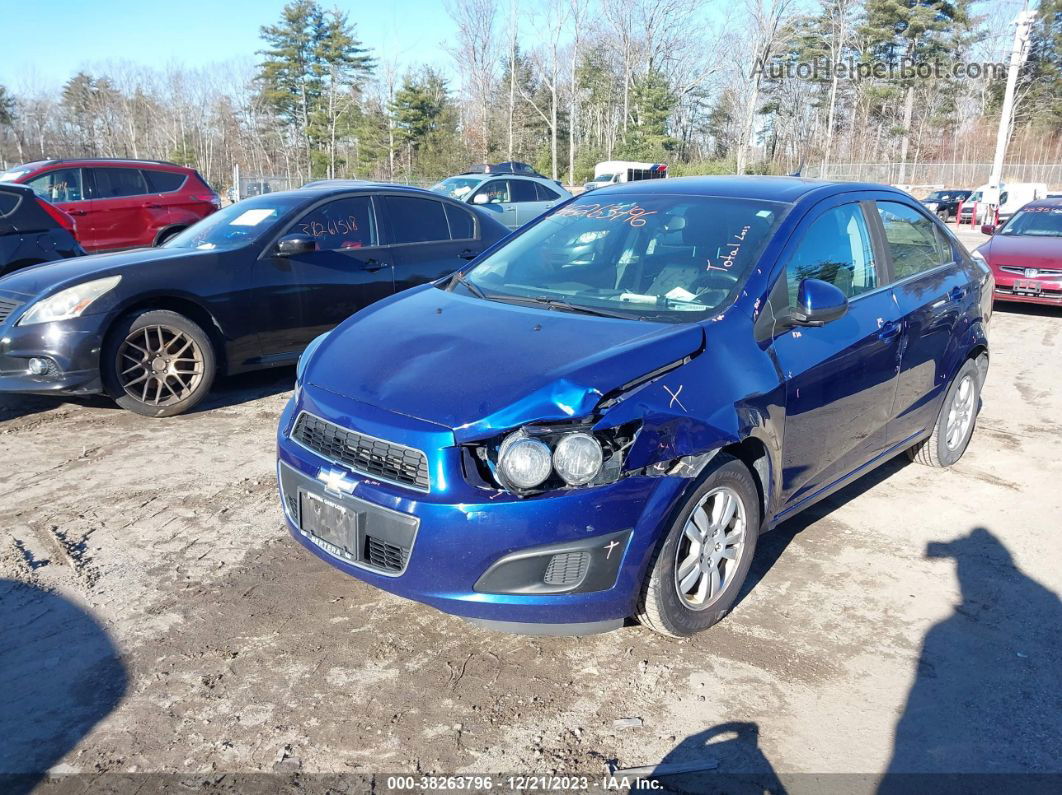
(155, 616)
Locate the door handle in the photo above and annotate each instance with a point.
(888, 330)
(373, 265)
(468, 254)
(154, 206)
(77, 212)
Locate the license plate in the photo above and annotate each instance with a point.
(1027, 287)
(330, 525)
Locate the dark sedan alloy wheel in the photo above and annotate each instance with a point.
(159, 365)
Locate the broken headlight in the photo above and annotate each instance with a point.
(537, 458)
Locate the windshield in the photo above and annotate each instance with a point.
(671, 258)
(13, 174)
(604, 178)
(457, 187)
(236, 225)
(1035, 221)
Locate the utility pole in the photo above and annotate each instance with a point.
(1019, 52)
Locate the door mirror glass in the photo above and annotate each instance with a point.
(988, 229)
(480, 198)
(818, 303)
(292, 245)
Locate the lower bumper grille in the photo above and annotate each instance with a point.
(385, 556)
(364, 454)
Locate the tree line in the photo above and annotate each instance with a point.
(708, 87)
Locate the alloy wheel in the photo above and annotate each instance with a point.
(711, 548)
(159, 365)
(960, 413)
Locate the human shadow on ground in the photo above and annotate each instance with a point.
(731, 760)
(60, 675)
(987, 695)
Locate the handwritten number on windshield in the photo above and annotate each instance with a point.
(632, 214)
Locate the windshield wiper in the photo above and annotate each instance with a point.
(558, 303)
(459, 278)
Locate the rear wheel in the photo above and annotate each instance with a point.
(169, 234)
(697, 573)
(158, 363)
(955, 423)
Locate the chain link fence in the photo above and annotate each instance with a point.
(952, 175)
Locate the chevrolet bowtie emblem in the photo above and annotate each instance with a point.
(336, 481)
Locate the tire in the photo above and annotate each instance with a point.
(673, 607)
(167, 235)
(948, 441)
(175, 358)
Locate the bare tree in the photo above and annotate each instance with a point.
(769, 29)
(477, 57)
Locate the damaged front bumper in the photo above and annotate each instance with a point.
(566, 562)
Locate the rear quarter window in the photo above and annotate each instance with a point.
(163, 181)
(9, 202)
(545, 194)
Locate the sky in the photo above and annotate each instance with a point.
(47, 41)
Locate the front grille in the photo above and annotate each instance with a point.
(385, 556)
(7, 306)
(365, 454)
(1046, 273)
(567, 568)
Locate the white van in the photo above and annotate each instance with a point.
(611, 172)
(1017, 194)
(983, 198)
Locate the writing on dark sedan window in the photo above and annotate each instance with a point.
(340, 224)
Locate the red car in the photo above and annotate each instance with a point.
(120, 203)
(1025, 254)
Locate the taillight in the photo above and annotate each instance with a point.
(210, 198)
(62, 218)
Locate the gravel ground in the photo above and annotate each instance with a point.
(155, 617)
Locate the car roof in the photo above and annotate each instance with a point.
(1048, 202)
(101, 161)
(779, 189)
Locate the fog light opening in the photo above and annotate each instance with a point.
(41, 365)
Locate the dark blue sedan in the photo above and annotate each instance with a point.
(598, 417)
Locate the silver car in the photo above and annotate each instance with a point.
(515, 199)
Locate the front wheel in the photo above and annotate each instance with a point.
(955, 423)
(158, 363)
(697, 573)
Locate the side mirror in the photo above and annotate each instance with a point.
(293, 245)
(988, 229)
(818, 303)
(481, 198)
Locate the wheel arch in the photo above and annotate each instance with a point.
(182, 306)
(166, 231)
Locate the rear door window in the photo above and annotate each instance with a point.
(340, 224)
(416, 220)
(462, 224)
(163, 181)
(522, 190)
(914, 242)
(114, 183)
(836, 249)
(59, 185)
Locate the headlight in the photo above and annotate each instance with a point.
(68, 303)
(578, 458)
(523, 462)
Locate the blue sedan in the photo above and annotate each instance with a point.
(599, 416)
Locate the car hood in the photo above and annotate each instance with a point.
(478, 366)
(47, 276)
(1024, 251)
